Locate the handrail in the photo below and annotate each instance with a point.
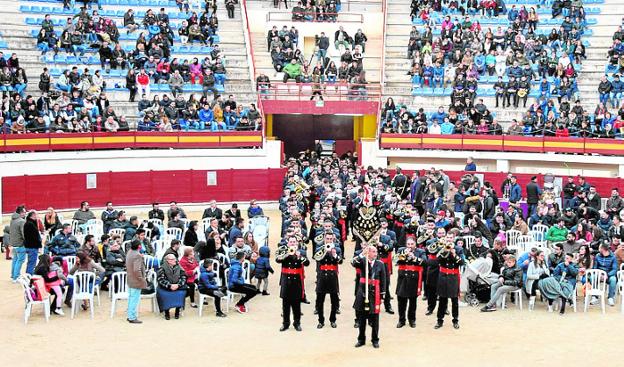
(382, 77)
(252, 65)
(329, 91)
(340, 17)
(503, 143)
(33, 142)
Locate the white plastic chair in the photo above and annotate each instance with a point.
(84, 289)
(97, 223)
(30, 302)
(596, 285)
(173, 233)
(119, 289)
(205, 223)
(524, 243)
(538, 232)
(246, 265)
(468, 241)
(620, 278)
(512, 236)
(155, 221)
(75, 227)
(117, 231)
(159, 248)
(148, 233)
(519, 294)
(151, 278)
(94, 229)
(71, 261)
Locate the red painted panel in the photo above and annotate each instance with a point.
(431, 141)
(564, 145)
(131, 188)
(78, 190)
(27, 142)
(71, 141)
(118, 140)
(13, 193)
(482, 142)
(170, 185)
(329, 108)
(522, 144)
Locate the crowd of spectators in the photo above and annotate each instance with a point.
(320, 69)
(465, 53)
(178, 113)
(316, 11)
(12, 77)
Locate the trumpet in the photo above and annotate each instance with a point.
(323, 251)
(405, 254)
(445, 249)
(285, 251)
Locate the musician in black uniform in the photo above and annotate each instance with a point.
(385, 246)
(327, 279)
(291, 283)
(431, 283)
(401, 184)
(448, 284)
(409, 282)
(368, 309)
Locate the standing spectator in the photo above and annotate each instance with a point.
(131, 84)
(135, 268)
(229, 5)
(323, 45)
(604, 90)
(533, 194)
(32, 240)
(360, 40)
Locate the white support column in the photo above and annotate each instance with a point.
(502, 165)
(621, 171)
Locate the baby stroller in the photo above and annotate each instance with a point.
(259, 226)
(480, 279)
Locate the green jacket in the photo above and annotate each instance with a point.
(293, 70)
(556, 234)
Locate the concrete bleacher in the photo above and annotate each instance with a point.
(603, 17)
(23, 23)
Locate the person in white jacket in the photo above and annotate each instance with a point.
(537, 269)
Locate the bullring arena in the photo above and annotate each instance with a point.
(170, 156)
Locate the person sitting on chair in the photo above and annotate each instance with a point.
(207, 284)
(171, 291)
(510, 280)
(237, 284)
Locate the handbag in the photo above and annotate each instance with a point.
(40, 289)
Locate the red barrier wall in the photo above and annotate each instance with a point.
(66, 191)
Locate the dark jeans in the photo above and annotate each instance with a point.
(248, 290)
(444, 305)
(287, 306)
(362, 318)
(320, 302)
(403, 307)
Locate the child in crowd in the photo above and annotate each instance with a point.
(263, 268)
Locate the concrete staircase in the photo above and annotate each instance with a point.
(398, 84)
(232, 42)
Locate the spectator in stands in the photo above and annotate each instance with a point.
(606, 261)
(143, 83)
(292, 70)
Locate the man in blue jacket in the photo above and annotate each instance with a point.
(236, 283)
(64, 243)
(515, 191)
(206, 117)
(617, 87)
(607, 262)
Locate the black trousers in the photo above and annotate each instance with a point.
(387, 304)
(432, 297)
(295, 306)
(320, 303)
(190, 291)
(248, 290)
(443, 307)
(363, 319)
(403, 307)
(217, 300)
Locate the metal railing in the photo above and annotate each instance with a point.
(340, 17)
(329, 91)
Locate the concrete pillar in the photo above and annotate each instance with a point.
(621, 171)
(502, 165)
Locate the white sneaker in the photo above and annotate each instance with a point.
(59, 311)
(550, 308)
(463, 304)
(611, 302)
(594, 301)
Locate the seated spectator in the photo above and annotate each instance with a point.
(64, 243)
(172, 284)
(236, 283)
(254, 210)
(207, 284)
(189, 264)
(54, 280)
(510, 280)
(605, 260)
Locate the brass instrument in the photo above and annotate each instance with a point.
(405, 254)
(323, 250)
(285, 251)
(434, 247)
(445, 248)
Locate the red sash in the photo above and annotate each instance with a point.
(399, 224)
(343, 229)
(329, 268)
(388, 261)
(374, 282)
(416, 268)
(301, 274)
(432, 257)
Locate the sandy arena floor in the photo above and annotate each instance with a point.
(522, 338)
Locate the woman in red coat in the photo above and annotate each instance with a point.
(189, 264)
